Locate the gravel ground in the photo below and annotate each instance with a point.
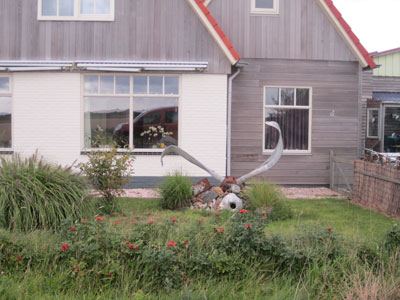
(291, 192)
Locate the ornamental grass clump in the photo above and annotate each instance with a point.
(176, 191)
(35, 194)
(268, 196)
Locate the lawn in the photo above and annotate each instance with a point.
(334, 279)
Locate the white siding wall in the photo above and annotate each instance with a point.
(47, 117)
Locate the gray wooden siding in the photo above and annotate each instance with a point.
(335, 87)
(386, 84)
(300, 31)
(143, 30)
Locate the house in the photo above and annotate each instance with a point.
(205, 75)
(382, 114)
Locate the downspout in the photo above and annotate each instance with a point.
(229, 121)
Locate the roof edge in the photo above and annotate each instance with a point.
(215, 30)
(347, 34)
(391, 51)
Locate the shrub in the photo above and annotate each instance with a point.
(269, 197)
(108, 171)
(392, 239)
(37, 195)
(176, 191)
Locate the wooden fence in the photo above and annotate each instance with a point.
(377, 187)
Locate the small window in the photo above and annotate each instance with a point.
(373, 123)
(290, 107)
(76, 10)
(268, 7)
(5, 113)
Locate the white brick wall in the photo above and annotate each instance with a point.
(47, 117)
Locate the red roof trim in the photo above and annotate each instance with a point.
(218, 29)
(351, 34)
(376, 53)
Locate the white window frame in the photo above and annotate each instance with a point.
(131, 96)
(279, 106)
(265, 11)
(9, 93)
(368, 112)
(78, 16)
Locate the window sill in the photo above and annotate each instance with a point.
(6, 151)
(145, 152)
(293, 153)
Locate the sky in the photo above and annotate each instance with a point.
(375, 22)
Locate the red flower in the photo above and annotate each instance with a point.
(109, 274)
(19, 258)
(216, 214)
(171, 243)
(329, 229)
(173, 220)
(200, 221)
(116, 223)
(73, 228)
(247, 226)
(64, 247)
(84, 220)
(100, 218)
(264, 212)
(185, 241)
(219, 229)
(127, 242)
(243, 211)
(134, 222)
(151, 222)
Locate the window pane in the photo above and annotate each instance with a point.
(5, 122)
(392, 129)
(91, 85)
(103, 7)
(140, 85)
(294, 126)
(4, 84)
(302, 97)
(122, 84)
(49, 7)
(264, 3)
(66, 7)
(106, 122)
(271, 96)
(171, 116)
(171, 85)
(106, 84)
(373, 119)
(156, 85)
(87, 6)
(287, 96)
(151, 129)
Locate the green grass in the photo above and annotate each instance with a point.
(356, 224)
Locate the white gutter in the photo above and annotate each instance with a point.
(27, 69)
(130, 70)
(229, 121)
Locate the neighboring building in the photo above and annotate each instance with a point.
(383, 107)
(76, 74)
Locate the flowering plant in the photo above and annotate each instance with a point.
(155, 134)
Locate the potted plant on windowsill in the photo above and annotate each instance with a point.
(155, 136)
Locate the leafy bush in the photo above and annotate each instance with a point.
(37, 195)
(269, 197)
(392, 239)
(176, 191)
(107, 171)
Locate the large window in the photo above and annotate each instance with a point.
(265, 6)
(76, 10)
(373, 123)
(290, 107)
(5, 112)
(132, 111)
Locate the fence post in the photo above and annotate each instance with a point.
(332, 170)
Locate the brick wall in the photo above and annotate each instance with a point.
(47, 116)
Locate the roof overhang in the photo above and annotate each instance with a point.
(214, 29)
(347, 34)
(105, 66)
